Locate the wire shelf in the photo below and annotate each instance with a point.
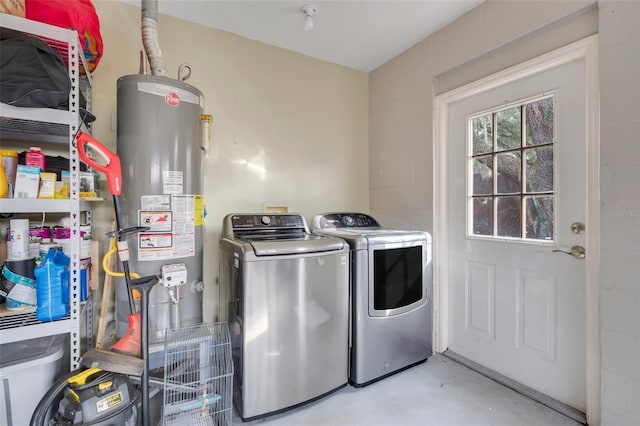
(198, 376)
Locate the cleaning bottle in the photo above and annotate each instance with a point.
(9, 166)
(52, 286)
(4, 184)
(34, 157)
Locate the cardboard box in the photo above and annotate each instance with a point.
(47, 185)
(87, 182)
(27, 182)
(12, 7)
(87, 185)
(62, 190)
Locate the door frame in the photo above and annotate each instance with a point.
(586, 49)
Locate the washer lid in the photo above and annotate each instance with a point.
(379, 236)
(287, 244)
(387, 236)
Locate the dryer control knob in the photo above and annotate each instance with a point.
(266, 220)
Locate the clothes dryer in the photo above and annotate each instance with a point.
(391, 288)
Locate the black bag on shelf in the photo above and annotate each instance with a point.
(32, 74)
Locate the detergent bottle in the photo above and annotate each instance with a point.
(9, 167)
(52, 286)
(34, 157)
(4, 184)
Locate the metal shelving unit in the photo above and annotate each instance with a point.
(58, 127)
(24, 205)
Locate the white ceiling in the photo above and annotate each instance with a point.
(359, 34)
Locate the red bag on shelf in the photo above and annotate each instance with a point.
(78, 14)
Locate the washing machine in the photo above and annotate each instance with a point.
(391, 294)
(287, 296)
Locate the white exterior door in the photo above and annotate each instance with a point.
(514, 305)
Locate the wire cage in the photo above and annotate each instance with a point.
(198, 376)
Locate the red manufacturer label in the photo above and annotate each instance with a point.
(172, 99)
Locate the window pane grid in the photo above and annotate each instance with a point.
(519, 169)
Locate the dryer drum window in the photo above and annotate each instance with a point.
(397, 277)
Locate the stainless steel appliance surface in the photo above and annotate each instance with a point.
(391, 295)
(286, 295)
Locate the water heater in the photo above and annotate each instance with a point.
(160, 149)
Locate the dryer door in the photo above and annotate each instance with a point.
(398, 276)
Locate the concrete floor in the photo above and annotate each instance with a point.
(440, 392)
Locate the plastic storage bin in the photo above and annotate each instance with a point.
(27, 370)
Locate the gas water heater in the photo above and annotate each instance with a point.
(160, 149)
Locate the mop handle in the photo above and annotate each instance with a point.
(111, 168)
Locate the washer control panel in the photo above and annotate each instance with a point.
(248, 221)
(348, 220)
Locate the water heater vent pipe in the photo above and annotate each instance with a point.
(150, 37)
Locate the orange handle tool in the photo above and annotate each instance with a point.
(111, 168)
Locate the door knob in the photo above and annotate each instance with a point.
(576, 251)
(577, 228)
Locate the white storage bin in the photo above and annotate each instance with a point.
(27, 370)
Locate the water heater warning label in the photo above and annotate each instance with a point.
(157, 221)
(171, 233)
(156, 202)
(172, 182)
(155, 241)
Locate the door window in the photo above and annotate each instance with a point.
(510, 170)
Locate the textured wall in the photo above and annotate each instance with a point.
(620, 214)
